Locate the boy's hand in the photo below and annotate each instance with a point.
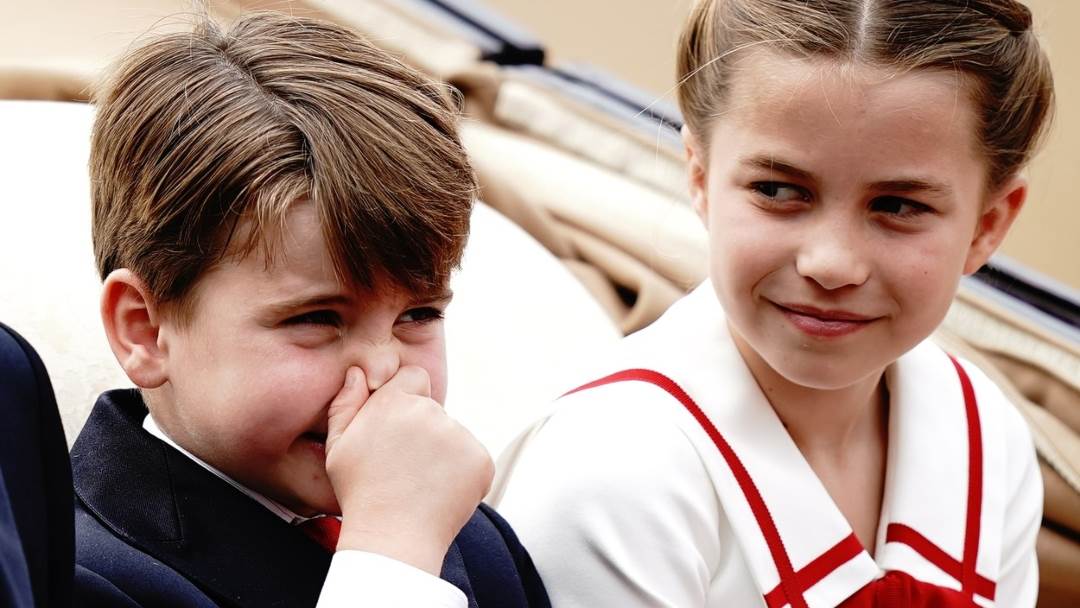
(406, 475)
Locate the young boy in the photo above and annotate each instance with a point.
(277, 210)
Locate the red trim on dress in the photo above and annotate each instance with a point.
(840, 554)
(793, 584)
(757, 504)
(899, 533)
(975, 482)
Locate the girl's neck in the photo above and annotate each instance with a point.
(823, 423)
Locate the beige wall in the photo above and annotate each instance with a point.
(636, 40)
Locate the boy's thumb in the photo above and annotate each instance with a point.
(346, 405)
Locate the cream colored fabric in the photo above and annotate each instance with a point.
(532, 109)
(55, 50)
(518, 328)
(658, 230)
(393, 26)
(635, 236)
(1054, 395)
(993, 328)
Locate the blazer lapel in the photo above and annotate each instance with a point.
(168, 506)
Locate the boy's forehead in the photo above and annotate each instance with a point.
(290, 261)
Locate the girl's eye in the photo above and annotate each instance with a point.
(422, 314)
(780, 192)
(316, 317)
(898, 207)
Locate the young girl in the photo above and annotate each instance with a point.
(786, 435)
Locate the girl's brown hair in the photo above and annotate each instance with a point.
(198, 131)
(990, 42)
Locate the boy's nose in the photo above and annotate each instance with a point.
(832, 261)
(379, 361)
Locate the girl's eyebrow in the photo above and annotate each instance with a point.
(915, 185)
(903, 185)
(771, 163)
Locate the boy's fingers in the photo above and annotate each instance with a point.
(345, 405)
(412, 380)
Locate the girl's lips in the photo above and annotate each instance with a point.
(824, 323)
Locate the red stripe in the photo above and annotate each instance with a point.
(792, 584)
(841, 553)
(899, 533)
(788, 581)
(975, 489)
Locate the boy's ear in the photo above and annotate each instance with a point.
(129, 314)
(696, 175)
(994, 222)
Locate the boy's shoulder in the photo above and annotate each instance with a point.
(151, 524)
(150, 517)
(110, 572)
(500, 571)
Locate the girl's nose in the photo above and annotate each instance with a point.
(832, 259)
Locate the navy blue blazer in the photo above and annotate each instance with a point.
(36, 529)
(153, 528)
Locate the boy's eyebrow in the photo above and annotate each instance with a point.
(291, 304)
(440, 294)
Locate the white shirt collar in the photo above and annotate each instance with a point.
(150, 426)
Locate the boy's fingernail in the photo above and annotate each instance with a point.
(351, 376)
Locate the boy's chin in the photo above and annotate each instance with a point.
(309, 502)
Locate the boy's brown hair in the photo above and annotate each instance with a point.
(198, 131)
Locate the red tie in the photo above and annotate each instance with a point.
(323, 530)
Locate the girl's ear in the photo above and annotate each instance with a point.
(696, 175)
(129, 314)
(997, 216)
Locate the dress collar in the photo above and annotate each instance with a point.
(926, 480)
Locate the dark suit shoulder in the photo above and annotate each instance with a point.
(110, 572)
(501, 571)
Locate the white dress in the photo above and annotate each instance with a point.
(625, 496)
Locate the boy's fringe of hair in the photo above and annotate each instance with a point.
(205, 140)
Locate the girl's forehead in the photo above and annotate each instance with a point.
(820, 104)
(768, 85)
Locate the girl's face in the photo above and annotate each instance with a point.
(843, 204)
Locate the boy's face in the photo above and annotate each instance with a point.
(251, 376)
(842, 204)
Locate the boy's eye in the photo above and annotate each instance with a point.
(422, 314)
(316, 317)
(898, 207)
(780, 192)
